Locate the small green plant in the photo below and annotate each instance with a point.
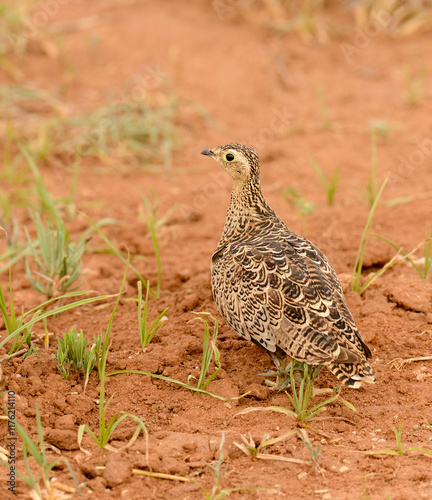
(383, 128)
(209, 350)
(217, 493)
(10, 229)
(358, 265)
(413, 85)
(259, 450)
(106, 429)
(46, 201)
(115, 251)
(147, 332)
(427, 251)
(329, 184)
(300, 398)
(303, 375)
(72, 351)
(12, 324)
(150, 208)
(39, 134)
(176, 382)
(59, 262)
(16, 328)
(153, 223)
(314, 452)
(41, 486)
(12, 255)
(304, 207)
(400, 450)
(68, 203)
(132, 131)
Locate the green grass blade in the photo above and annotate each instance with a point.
(117, 253)
(174, 381)
(358, 265)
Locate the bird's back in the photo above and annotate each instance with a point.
(278, 289)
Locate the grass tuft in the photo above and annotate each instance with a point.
(217, 492)
(293, 196)
(426, 260)
(13, 324)
(147, 332)
(209, 350)
(153, 223)
(331, 183)
(107, 428)
(358, 265)
(72, 351)
(59, 261)
(400, 450)
(28, 319)
(301, 380)
(314, 452)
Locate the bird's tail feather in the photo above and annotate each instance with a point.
(352, 375)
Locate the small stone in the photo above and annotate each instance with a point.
(62, 438)
(60, 403)
(117, 470)
(65, 422)
(302, 476)
(344, 468)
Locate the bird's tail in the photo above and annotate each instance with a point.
(352, 375)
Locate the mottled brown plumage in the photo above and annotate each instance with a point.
(275, 287)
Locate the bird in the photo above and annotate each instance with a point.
(275, 287)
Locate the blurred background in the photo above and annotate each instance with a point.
(146, 85)
(105, 106)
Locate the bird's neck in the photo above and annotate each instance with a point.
(246, 197)
(246, 208)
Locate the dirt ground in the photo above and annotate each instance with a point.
(291, 97)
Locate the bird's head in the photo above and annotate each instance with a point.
(240, 161)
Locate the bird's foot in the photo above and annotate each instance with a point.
(295, 371)
(322, 392)
(278, 386)
(282, 383)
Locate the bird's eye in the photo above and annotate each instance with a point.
(229, 157)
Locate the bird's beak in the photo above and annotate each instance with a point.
(207, 152)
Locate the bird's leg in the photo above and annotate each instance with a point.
(282, 373)
(285, 370)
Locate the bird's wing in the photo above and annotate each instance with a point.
(285, 293)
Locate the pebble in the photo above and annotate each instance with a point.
(117, 470)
